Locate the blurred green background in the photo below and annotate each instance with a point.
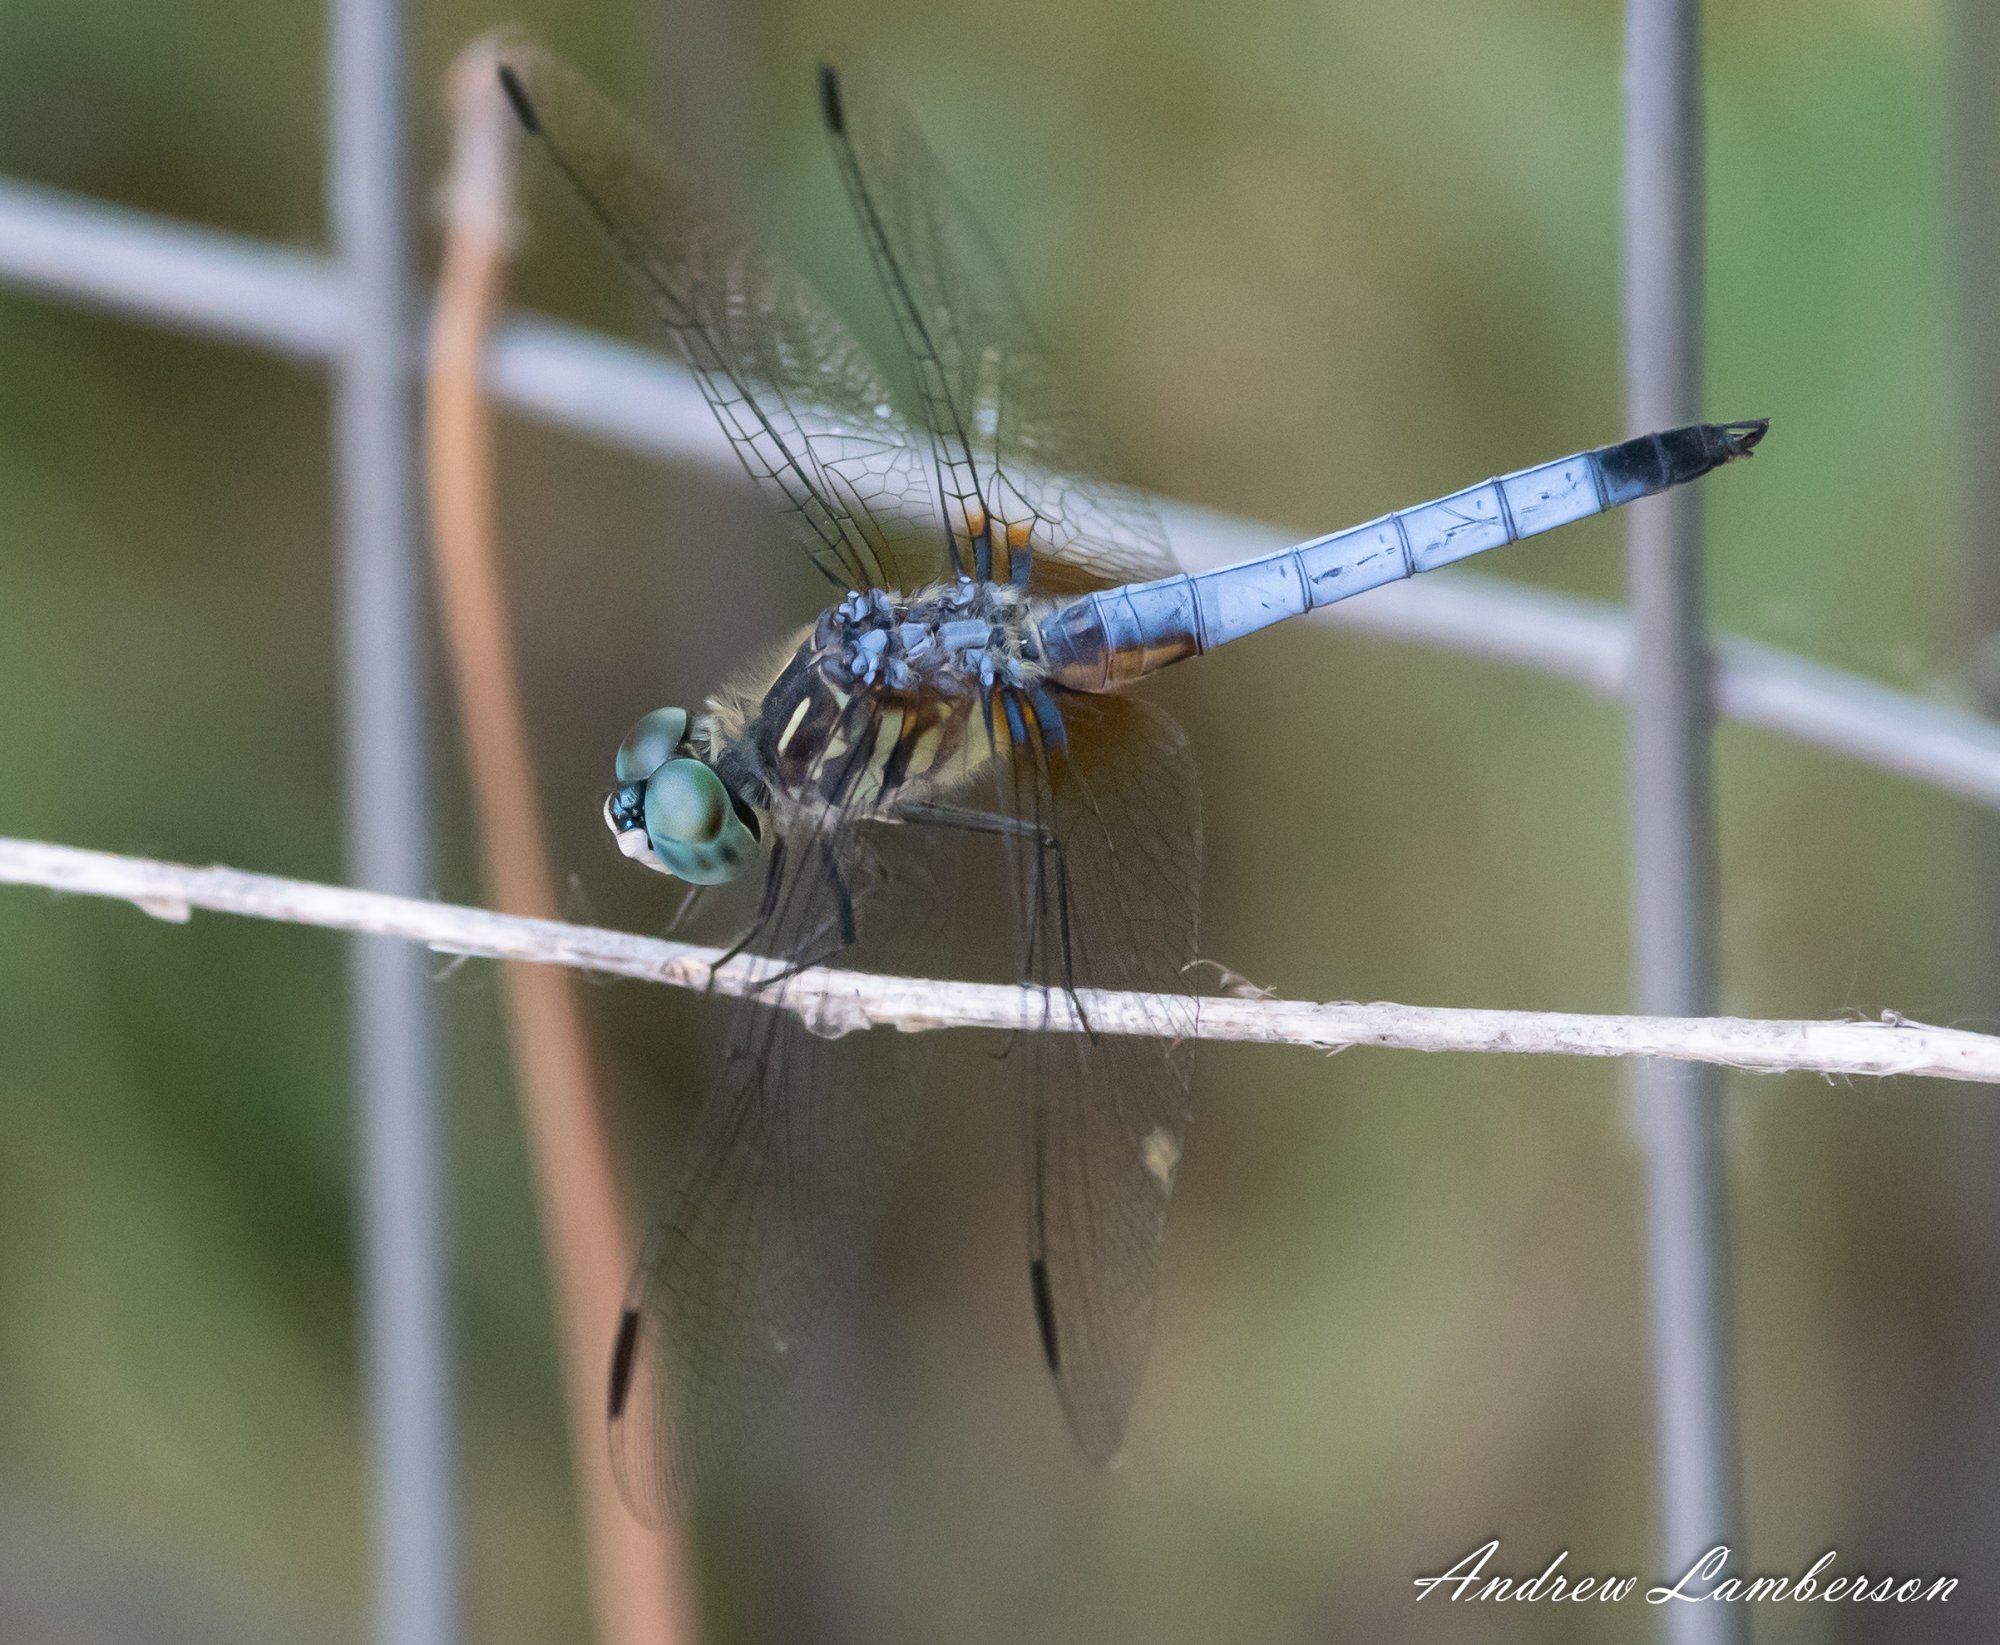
(1308, 262)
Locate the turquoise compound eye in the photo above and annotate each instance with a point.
(651, 743)
(693, 827)
(686, 804)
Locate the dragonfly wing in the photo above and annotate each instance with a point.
(1012, 444)
(763, 1229)
(795, 1147)
(805, 407)
(1106, 1116)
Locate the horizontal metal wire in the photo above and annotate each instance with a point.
(241, 290)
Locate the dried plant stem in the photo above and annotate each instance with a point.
(838, 1002)
(639, 1577)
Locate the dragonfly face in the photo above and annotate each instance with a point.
(671, 811)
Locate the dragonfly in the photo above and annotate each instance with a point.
(998, 593)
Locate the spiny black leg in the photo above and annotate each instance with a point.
(1031, 927)
(931, 815)
(767, 905)
(844, 916)
(849, 932)
(964, 820)
(686, 908)
(1062, 930)
(1047, 844)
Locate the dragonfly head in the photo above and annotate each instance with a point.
(671, 811)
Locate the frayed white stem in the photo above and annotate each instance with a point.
(838, 1002)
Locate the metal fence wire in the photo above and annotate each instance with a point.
(353, 313)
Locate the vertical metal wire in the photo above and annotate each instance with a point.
(387, 817)
(1673, 815)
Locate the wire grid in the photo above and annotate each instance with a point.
(350, 312)
(405, 1332)
(1675, 902)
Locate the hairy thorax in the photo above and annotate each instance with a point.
(888, 698)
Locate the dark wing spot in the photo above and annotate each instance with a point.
(621, 1360)
(1045, 1311)
(829, 100)
(517, 94)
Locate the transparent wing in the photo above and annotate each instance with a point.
(1114, 907)
(795, 1146)
(1011, 445)
(806, 409)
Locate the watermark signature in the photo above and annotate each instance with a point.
(1704, 1582)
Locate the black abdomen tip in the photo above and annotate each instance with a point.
(622, 1351)
(517, 95)
(1674, 456)
(1742, 438)
(830, 108)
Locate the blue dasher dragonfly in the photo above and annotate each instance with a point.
(997, 595)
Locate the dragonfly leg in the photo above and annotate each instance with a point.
(1048, 845)
(767, 905)
(686, 908)
(845, 937)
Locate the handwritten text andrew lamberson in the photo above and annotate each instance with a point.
(1702, 1583)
